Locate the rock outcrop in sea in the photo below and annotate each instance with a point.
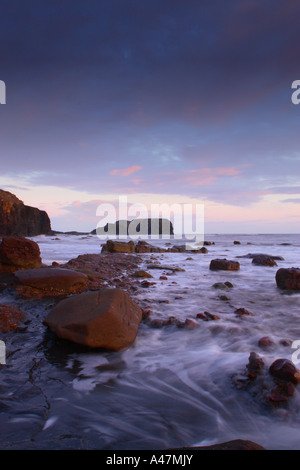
(150, 226)
(18, 219)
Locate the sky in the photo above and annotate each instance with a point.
(161, 101)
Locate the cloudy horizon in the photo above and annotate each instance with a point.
(174, 101)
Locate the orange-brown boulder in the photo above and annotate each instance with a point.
(107, 318)
(52, 280)
(19, 253)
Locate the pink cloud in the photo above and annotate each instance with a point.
(126, 171)
(206, 175)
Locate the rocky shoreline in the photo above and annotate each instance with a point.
(117, 273)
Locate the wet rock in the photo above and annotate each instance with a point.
(285, 342)
(240, 312)
(236, 242)
(113, 246)
(167, 268)
(220, 285)
(107, 318)
(146, 283)
(272, 387)
(285, 370)
(264, 260)
(223, 297)
(228, 284)
(224, 264)
(288, 278)
(254, 255)
(19, 253)
(265, 342)
(10, 317)
(281, 393)
(116, 246)
(206, 316)
(190, 324)
(51, 281)
(255, 365)
(141, 273)
(202, 250)
(146, 312)
(163, 278)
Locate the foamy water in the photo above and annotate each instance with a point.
(173, 387)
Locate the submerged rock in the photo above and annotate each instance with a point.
(265, 342)
(264, 260)
(254, 255)
(19, 253)
(107, 318)
(288, 278)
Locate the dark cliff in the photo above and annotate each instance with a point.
(18, 219)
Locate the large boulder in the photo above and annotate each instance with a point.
(52, 281)
(224, 264)
(19, 253)
(18, 219)
(288, 278)
(107, 318)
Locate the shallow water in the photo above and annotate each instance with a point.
(173, 387)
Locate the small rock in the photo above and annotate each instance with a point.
(255, 365)
(285, 370)
(190, 324)
(206, 316)
(242, 311)
(228, 284)
(224, 264)
(141, 273)
(223, 297)
(265, 342)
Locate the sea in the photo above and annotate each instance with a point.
(174, 386)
